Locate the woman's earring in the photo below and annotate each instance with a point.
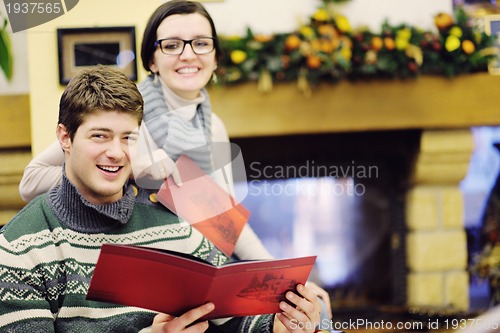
(155, 80)
(214, 78)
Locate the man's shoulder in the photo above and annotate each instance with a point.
(31, 219)
(148, 210)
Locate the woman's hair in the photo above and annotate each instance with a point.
(94, 89)
(165, 10)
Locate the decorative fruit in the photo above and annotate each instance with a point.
(377, 43)
(468, 47)
(261, 38)
(313, 62)
(238, 56)
(389, 43)
(436, 46)
(412, 67)
(342, 23)
(443, 21)
(292, 42)
(452, 43)
(327, 30)
(371, 57)
(456, 31)
(321, 15)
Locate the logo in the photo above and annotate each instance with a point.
(25, 14)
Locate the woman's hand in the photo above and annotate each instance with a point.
(303, 316)
(323, 294)
(164, 323)
(155, 167)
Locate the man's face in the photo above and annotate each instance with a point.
(97, 160)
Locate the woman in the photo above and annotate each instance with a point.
(177, 114)
(181, 51)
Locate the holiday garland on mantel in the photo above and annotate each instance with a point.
(328, 49)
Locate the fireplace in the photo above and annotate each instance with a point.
(340, 196)
(276, 129)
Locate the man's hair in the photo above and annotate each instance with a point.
(98, 88)
(173, 7)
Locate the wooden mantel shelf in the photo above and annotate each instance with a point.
(426, 102)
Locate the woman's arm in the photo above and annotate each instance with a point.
(248, 246)
(42, 173)
(151, 164)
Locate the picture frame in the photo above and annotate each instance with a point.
(492, 27)
(82, 48)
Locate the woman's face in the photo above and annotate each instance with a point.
(188, 72)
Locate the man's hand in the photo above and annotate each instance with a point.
(164, 323)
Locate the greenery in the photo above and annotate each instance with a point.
(328, 49)
(5, 50)
(486, 265)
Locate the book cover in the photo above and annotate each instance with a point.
(173, 283)
(205, 205)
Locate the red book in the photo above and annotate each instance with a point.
(205, 205)
(173, 283)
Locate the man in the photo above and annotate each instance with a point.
(49, 249)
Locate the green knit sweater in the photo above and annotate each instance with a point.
(48, 253)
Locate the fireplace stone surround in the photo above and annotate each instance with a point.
(426, 255)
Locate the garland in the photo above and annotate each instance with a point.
(327, 49)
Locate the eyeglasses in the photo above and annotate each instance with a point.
(175, 46)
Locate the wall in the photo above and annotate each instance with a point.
(265, 16)
(232, 17)
(44, 85)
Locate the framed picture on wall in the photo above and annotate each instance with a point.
(492, 27)
(81, 48)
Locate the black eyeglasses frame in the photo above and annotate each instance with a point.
(185, 42)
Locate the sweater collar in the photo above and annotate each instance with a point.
(77, 213)
(184, 108)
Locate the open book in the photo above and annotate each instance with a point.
(205, 205)
(173, 283)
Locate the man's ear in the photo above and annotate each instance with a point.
(63, 137)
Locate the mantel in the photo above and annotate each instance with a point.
(422, 103)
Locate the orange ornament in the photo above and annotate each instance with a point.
(376, 43)
(327, 30)
(443, 21)
(263, 38)
(313, 62)
(327, 46)
(468, 47)
(292, 42)
(389, 43)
